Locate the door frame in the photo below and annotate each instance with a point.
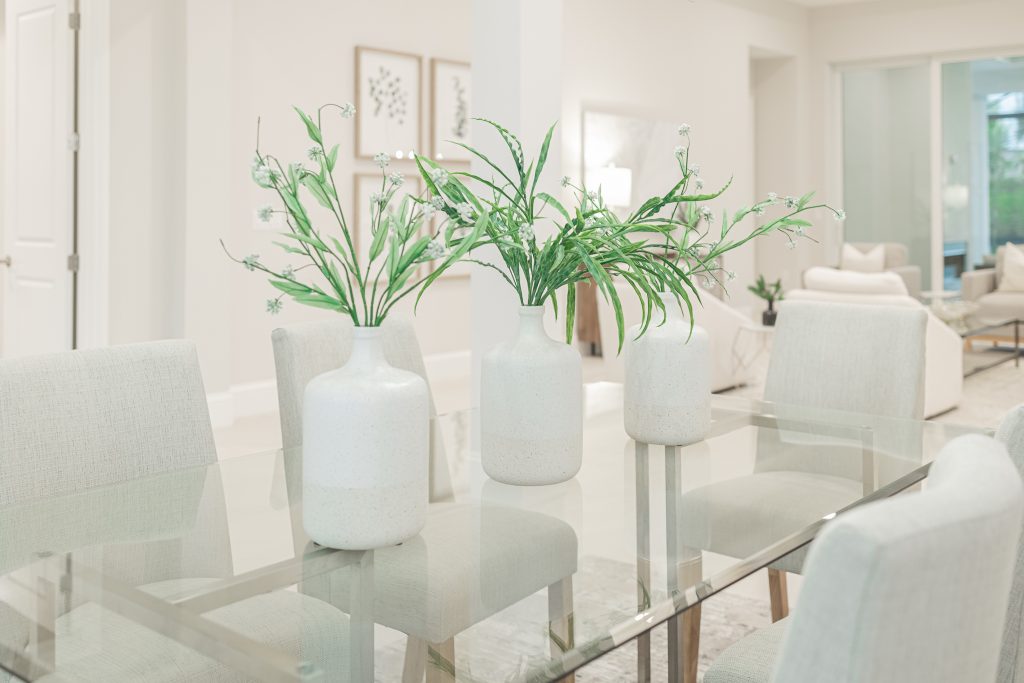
(834, 140)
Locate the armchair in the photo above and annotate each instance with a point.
(982, 287)
(897, 260)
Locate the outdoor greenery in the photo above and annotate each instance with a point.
(769, 291)
(1006, 177)
(333, 274)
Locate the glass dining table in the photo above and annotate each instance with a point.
(208, 569)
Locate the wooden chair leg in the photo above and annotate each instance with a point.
(779, 594)
(561, 630)
(684, 630)
(415, 664)
(441, 662)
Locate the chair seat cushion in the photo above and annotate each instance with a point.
(751, 660)
(741, 516)
(95, 644)
(468, 563)
(1000, 306)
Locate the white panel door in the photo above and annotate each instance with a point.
(37, 227)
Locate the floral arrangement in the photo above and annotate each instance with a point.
(364, 288)
(664, 246)
(769, 291)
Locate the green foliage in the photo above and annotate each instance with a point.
(1006, 180)
(402, 246)
(769, 291)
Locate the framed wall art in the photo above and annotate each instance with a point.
(388, 96)
(450, 90)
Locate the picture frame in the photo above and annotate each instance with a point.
(389, 94)
(363, 185)
(450, 116)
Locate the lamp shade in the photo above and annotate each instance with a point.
(616, 184)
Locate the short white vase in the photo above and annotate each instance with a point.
(668, 380)
(365, 454)
(531, 407)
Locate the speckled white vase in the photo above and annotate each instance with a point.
(668, 381)
(531, 407)
(365, 454)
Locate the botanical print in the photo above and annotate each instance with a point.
(388, 96)
(451, 93)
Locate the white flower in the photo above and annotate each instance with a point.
(683, 129)
(297, 169)
(439, 176)
(348, 110)
(288, 272)
(759, 210)
(590, 222)
(790, 202)
(465, 212)
(706, 213)
(435, 249)
(437, 202)
(791, 244)
(273, 306)
(382, 159)
(313, 153)
(566, 180)
(799, 230)
(708, 283)
(264, 213)
(428, 210)
(397, 178)
(592, 196)
(263, 176)
(679, 151)
(526, 232)
(730, 275)
(699, 184)
(772, 197)
(840, 215)
(604, 231)
(251, 261)
(256, 164)
(695, 169)
(377, 198)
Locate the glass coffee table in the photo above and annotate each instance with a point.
(208, 570)
(999, 334)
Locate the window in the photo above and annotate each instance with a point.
(1006, 167)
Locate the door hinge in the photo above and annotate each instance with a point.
(75, 21)
(73, 263)
(74, 142)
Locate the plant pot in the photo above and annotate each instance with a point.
(531, 407)
(365, 434)
(768, 317)
(668, 380)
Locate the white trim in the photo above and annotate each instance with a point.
(451, 366)
(94, 175)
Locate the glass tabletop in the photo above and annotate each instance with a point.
(208, 570)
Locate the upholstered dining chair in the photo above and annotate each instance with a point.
(74, 421)
(857, 358)
(470, 561)
(910, 589)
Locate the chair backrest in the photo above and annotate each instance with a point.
(305, 350)
(74, 420)
(858, 358)
(1011, 660)
(913, 588)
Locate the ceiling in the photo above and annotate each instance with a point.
(826, 3)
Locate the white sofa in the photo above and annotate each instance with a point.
(897, 260)
(721, 321)
(943, 347)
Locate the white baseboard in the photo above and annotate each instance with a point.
(260, 398)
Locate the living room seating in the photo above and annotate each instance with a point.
(943, 348)
(895, 259)
(892, 590)
(722, 322)
(982, 287)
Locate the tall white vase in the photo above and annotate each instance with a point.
(365, 454)
(668, 380)
(531, 407)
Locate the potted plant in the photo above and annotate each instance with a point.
(668, 383)
(770, 292)
(365, 425)
(531, 387)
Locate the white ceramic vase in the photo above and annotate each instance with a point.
(668, 380)
(531, 407)
(365, 454)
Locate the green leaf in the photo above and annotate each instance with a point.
(377, 246)
(570, 312)
(543, 155)
(332, 158)
(311, 128)
(548, 199)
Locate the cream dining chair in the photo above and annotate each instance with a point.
(470, 561)
(856, 358)
(911, 589)
(74, 421)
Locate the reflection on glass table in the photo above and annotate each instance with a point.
(161, 577)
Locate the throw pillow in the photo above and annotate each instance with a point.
(872, 261)
(1013, 269)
